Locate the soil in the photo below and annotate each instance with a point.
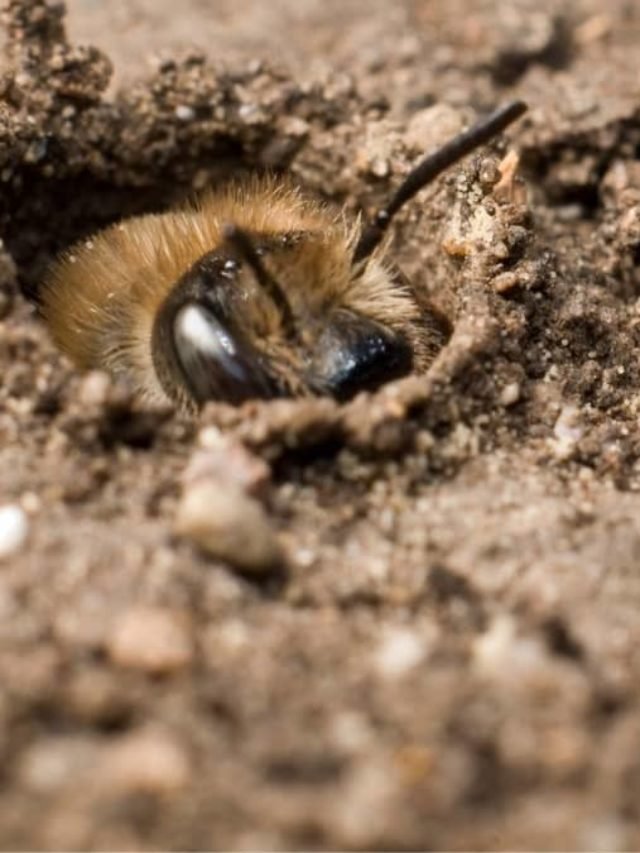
(451, 656)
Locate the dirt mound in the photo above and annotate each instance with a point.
(449, 657)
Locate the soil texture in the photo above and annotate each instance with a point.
(430, 636)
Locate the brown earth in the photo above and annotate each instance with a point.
(452, 657)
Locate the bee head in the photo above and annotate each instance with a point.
(300, 311)
(288, 311)
(254, 292)
(284, 314)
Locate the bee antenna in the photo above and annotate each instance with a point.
(431, 167)
(244, 246)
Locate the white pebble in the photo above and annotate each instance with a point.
(510, 394)
(94, 388)
(31, 503)
(229, 525)
(399, 652)
(14, 529)
(294, 126)
(185, 112)
(500, 652)
(567, 432)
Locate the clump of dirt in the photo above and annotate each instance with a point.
(447, 656)
(73, 160)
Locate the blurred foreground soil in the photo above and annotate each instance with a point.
(452, 658)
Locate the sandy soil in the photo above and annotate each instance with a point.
(452, 657)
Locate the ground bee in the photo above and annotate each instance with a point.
(254, 291)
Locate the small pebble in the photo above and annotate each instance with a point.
(294, 126)
(225, 460)
(604, 832)
(567, 432)
(379, 167)
(505, 282)
(95, 697)
(145, 762)
(151, 639)
(351, 732)
(499, 652)
(94, 388)
(229, 525)
(31, 503)
(185, 112)
(14, 529)
(399, 652)
(51, 763)
(370, 795)
(488, 173)
(491, 649)
(510, 394)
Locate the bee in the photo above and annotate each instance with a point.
(253, 291)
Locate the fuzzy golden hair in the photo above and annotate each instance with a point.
(252, 291)
(101, 298)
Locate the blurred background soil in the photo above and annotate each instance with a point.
(452, 657)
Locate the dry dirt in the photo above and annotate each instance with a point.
(452, 657)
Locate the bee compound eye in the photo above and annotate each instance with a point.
(215, 363)
(355, 353)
